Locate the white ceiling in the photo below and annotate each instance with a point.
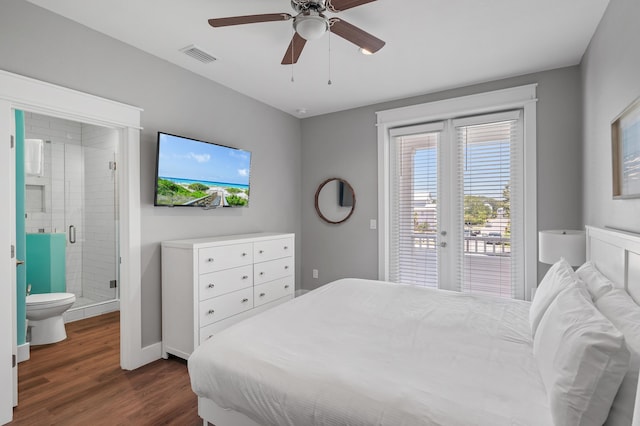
(431, 45)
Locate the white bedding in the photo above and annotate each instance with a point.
(361, 352)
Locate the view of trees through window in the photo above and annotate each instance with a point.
(479, 208)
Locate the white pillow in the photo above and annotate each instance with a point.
(624, 313)
(582, 359)
(597, 284)
(559, 277)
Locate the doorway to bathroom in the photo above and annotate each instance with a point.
(20, 93)
(71, 212)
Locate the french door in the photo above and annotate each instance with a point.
(456, 205)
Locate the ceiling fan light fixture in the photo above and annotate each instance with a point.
(309, 23)
(311, 27)
(365, 51)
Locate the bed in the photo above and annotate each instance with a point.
(345, 354)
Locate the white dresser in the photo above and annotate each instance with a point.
(209, 284)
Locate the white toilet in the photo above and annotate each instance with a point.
(44, 313)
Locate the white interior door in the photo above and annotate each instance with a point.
(8, 371)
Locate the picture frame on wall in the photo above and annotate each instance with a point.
(625, 143)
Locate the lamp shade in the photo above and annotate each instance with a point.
(554, 244)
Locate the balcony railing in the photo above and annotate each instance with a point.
(475, 244)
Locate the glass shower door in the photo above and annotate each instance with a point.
(100, 226)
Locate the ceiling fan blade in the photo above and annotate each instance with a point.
(294, 50)
(340, 5)
(355, 35)
(249, 19)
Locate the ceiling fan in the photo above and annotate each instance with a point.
(310, 23)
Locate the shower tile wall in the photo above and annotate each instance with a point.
(91, 260)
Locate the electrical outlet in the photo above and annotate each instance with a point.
(315, 273)
(373, 224)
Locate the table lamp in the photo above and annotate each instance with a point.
(554, 244)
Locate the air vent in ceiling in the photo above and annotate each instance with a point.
(196, 53)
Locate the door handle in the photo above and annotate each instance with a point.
(72, 234)
(19, 262)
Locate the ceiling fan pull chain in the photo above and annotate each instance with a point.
(292, 50)
(329, 37)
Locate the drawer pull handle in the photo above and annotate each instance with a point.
(244, 254)
(245, 300)
(286, 286)
(210, 312)
(286, 248)
(244, 277)
(286, 267)
(261, 273)
(262, 294)
(211, 285)
(261, 251)
(210, 259)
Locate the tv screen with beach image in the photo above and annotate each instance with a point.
(194, 173)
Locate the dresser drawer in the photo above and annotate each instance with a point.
(268, 292)
(221, 307)
(218, 283)
(208, 331)
(274, 249)
(224, 257)
(268, 271)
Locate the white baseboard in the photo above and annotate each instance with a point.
(23, 352)
(83, 312)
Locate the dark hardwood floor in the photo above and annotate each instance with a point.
(79, 382)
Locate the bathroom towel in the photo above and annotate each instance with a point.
(33, 157)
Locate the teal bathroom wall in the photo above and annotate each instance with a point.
(46, 270)
(20, 233)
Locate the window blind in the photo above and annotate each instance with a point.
(489, 205)
(414, 205)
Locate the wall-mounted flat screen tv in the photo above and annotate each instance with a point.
(193, 173)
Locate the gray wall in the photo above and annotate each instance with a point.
(611, 81)
(344, 144)
(42, 45)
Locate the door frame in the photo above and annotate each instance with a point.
(523, 97)
(27, 94)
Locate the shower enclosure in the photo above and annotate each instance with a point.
(71, 188)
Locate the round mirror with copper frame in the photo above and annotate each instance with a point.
(335, 200)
